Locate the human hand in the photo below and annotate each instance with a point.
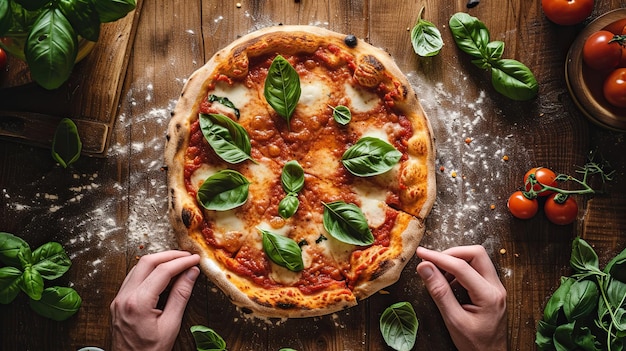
(481, 324)
(137, 323)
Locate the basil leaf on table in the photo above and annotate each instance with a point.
(66, 144)
(51, 49)
(370, 156)
(32, 5)
(513, 80)
(292, 177)
(225, 190)
(470, 34)
(282, 250)
(5, 17)
(10, 282)
(83, 16)
(581, 299)
(57, 303)
(206, 339)
(556, 301)
(398, 325)
(112, 10)
(282, 88)
(288, 206)
(425, 37)
(32, 283)
(226, 102)
(342, 114)
(229, 140)
(347, 223)
(584, 258)
(10, 246)
(51, 261)
(616, 267)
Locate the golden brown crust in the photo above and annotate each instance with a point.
(415, 184)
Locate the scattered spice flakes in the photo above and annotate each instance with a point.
(468, 140)
(502, 251)
(453, 174)
(493, 206)
(505, 157)
(383, 292)
(442, 168)
(238, 5)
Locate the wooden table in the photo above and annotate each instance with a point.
(107, 212)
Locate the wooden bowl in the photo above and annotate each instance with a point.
(585, 84)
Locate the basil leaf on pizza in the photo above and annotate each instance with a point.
(288, 205)
(226, 102)
(225, 190)
(282, 250)
(342, 114)
(282, 88)
(347, 223)
(370, 156)
(292, 177)
(229, 140)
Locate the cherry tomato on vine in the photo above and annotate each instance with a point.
(567, 12)
(600, 53)
(544, 176)
(614, 88)
(522, 207)
(561, 213)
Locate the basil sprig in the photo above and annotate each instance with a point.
(229, 140)
(588, 309)
(292, 180)
(509, 77)
(398, 325)
(282, 250)
(282, 88)
(206, 339)
(341, 114)
(370, 156)
(347, 223)
(225, 190)
(425, 37)
(26, 270)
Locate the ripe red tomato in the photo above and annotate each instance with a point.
(544, 176)
(3, 60)
(615, 88)
(567, 12)
(522, 207)
(600, 53)
(561, 213)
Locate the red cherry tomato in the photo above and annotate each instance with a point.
(561, 213)
(600, 53)
(616, 27)
(544, 176)
(522, 207)
(615, 88)
(3, 60)
(567, 12)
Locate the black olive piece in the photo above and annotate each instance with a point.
(472, 3)
(350, 40)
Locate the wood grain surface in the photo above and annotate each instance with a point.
(107, 212)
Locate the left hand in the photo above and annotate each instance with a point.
(137, 324)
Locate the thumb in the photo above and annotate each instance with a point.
(180, 294)
(439, 289)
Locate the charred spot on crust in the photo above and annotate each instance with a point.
(382, 268)
(186, 216)
(285, 306)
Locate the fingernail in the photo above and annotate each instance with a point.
(425, 272)
(192, 273)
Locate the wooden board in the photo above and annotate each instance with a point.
(90, 97)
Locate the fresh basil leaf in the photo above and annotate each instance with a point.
(66, 144)
(51, 49)
(25, 256)
(83, 16)
(584, 258)
(616, 293)
(398, 325)
(514, 80)
(288, 205)
(282, 88)
(223, 191)
(32, 283)
(342, 114)
(370, 156)
(425, 37)
(347, 223)
(292, 177)
(470, 34)
(51, 261)
(229, 140)
(556, 301)
(32, 5)
(544, 336)
(581, 300)
(564, 337)
(616, 266)
(10, 280)
(5, 16)
(57, 303)
(112, 10)
(206, 339)
(226, 102)
(282, 250)
(10, 246)
(495, 49)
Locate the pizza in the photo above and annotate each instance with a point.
(300, 166)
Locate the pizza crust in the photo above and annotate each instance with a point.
(417, 193)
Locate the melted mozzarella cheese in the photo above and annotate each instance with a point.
(314, 97)
(361, 100)
(201, 174)
(237, 93)
(372, 203)
(376, 133)
(283, 275)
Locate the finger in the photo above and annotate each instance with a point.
(162, 275)
(466, 275)
(439, 290)
(179, 297)
(148, 263)
(477, 257)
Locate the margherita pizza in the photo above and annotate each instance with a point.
(301, 168)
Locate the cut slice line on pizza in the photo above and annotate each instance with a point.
(301, 168)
